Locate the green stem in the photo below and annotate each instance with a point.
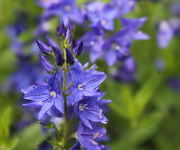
(66, 124)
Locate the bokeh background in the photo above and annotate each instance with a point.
(144, 114)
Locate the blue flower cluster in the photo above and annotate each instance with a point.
(70, 93)
(100, 17)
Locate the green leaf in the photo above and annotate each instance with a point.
(147, 91)
(5, 121)
(30, 138)
(146, 128)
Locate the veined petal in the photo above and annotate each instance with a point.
(59, 104)
(85, 121)
(94, 80)
(45, 107)
(40, 93)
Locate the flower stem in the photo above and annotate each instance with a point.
(66, 124)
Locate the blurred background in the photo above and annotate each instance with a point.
(145, 112)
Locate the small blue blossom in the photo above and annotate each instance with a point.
(126, 73)
(89, 138)
(67, 10)
(123, 6)
(165, 34)
(85, 83)
(88, 111)
(101, 15)
(47, 95)
(93, 42)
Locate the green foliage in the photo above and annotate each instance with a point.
(30, 138)
(6, 143)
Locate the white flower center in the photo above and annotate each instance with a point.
(53, 94)
(81, 86)
(104, 22)
(82, 107)
(116, 47)
(92, 43)
(164, 26)
(95, 135)
(67, 8)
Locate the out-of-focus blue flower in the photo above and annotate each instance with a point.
(175, 25)
(160, 64)
(30, 74)
(101, 15)
(89, 138)
(88, 111)
(116, 48)
(174, 83)
(93, 42)
(126, 73)
(66, 9)
(123, 6)
(133, 25)
(165, 34)
(46, 96)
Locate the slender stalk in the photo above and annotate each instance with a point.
(66, 124)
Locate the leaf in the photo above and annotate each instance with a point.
(30, 138)
(147, 91)
(146, 128)
(9, 144)
(5, 121)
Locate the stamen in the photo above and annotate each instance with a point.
(82, 107)
(81, 86)
(53, 94)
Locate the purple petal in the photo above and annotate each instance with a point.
(46, 64)
(46, 106)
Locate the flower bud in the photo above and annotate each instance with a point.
(46, 64)
(58, 56)
(78, 48)
(69, 56)
(43, 47)
(61, 30)
(68, 34)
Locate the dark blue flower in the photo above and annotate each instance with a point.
(126, 73)
(46, 96)
(93, 42)
(101, 15)
(88, 111)
(89, 138)
(117, 47)
(84, 83)
(123, 6)
(67, 10)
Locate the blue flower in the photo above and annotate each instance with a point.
(84, 83)
(165, 34)
(101, 15)
(117, 48)
(93, 42)
(126, 73)
(88, 111)
(89, 138)
(123, 6)
(67, 10)
(47, 96)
